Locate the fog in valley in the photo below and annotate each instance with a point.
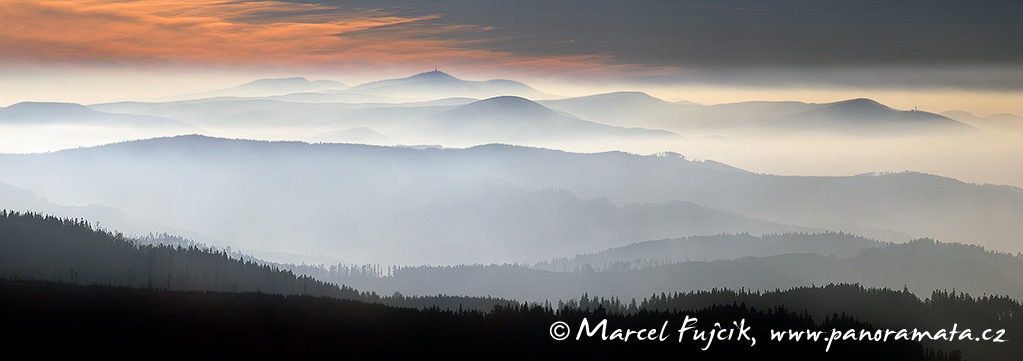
(432, 170)
(335, 179)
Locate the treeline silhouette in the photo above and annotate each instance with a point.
(71, 282)
(883, 308)
(637, 256)
(70, 250)
(921, 265)
(116, 321)
(653, 254)
(47, 248)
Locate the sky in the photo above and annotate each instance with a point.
(935, 55)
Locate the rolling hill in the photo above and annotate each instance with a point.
(436, 84)
(493, 203)
(866, 117)
(34, 113)
(509, 119)
(266, 88)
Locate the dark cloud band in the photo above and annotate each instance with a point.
(718, 36)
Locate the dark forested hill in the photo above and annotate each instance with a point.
(176, 296)
(38, 247)
(206, 325)
(41, 247)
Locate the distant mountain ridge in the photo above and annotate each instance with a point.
(921, 266)
(1003, 122)
(864, 115)
(265, 88)
(627, 109)
(437, 84)
(41, 113)
(650, 254)
(489, 203)
(849, 117)
(512, 119)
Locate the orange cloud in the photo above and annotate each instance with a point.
(254, 33)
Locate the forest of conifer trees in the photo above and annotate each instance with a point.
(63, 274)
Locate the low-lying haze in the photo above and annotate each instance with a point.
(912, 134)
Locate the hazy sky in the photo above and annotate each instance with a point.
(968, 53)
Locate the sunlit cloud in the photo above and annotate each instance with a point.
(262, 33)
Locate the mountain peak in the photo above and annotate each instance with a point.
(860, 104)
(278, 81)
(432, 75)
(437, 84)
(47, 109)
(505, 108)
(293, 84)
(866, 116)
(633, 97)
(509, 102)
(36, 105)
